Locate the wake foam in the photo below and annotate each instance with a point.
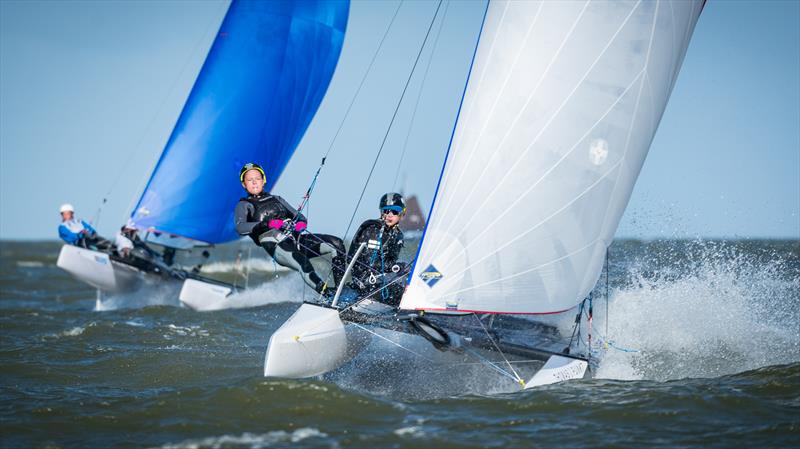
(259, 264)
(723, 312)
(252, 440)
(164, 294)
(281, 289)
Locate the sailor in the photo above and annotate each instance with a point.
(279, 228)
(135, 252)
(78, 232)
(377, 272)
(124, 240)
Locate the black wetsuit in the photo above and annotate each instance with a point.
(289, 248)
(377, 271)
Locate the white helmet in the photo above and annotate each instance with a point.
(66, 207)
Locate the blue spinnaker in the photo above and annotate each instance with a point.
(262, 82)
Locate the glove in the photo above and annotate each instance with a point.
(275, 224)
(300, 226)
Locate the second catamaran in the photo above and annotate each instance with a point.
(260, 85)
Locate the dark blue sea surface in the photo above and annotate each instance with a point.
(700, 348)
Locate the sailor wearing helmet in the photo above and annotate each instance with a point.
(279, 228)
(78, 232)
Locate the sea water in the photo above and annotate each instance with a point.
(698, 342)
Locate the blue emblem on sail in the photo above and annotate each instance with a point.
(261, 84)
(430, 276)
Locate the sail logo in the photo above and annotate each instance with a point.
(430, 276)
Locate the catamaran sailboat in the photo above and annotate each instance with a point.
(260, 85)
(560, 107)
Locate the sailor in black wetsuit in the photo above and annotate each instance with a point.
(377, 272)
(278, 228)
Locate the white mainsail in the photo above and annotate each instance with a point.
(562, 103)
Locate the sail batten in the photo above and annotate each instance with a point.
(545, 157)
(260, 85)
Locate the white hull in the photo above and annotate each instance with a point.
(312, 342)
(201, 296)
(98, 270)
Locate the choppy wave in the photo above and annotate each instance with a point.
(249, 440)
(715, 327)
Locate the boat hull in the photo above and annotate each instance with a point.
(312, 342)
(202, 295)
(98, 270)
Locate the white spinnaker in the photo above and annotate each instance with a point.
(562, 103)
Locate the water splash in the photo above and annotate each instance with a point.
(254, 264)
(710, 310)
(282, 289)
(164, 294)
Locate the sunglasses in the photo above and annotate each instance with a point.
(391, 211)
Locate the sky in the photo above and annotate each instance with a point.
(89, 92)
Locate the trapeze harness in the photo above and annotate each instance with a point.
(292, 249)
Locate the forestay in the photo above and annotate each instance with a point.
(562, 103)
(261, 84)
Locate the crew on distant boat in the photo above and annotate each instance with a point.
(279, 228)
(78, 232)
(377, 271)
(124, 240)
(135, 252)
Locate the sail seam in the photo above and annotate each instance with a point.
(633, 119)
(519, 115)
(544, 128)
(544, 175)
(505, 278)
(474, 149)
(529, 230)
(468, 108)
(449, 145)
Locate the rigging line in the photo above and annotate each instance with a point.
(367, 296)
(519, 379)
(322, 242)
(419, 95)
(149, 126)
(577, 324)
(352, 102)
(607, 298)
(363, 79)
(509, 74)
(468, 107)
(633, 117)
(364, 298)
(394, 343)
(484, 361)
(391, 122)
